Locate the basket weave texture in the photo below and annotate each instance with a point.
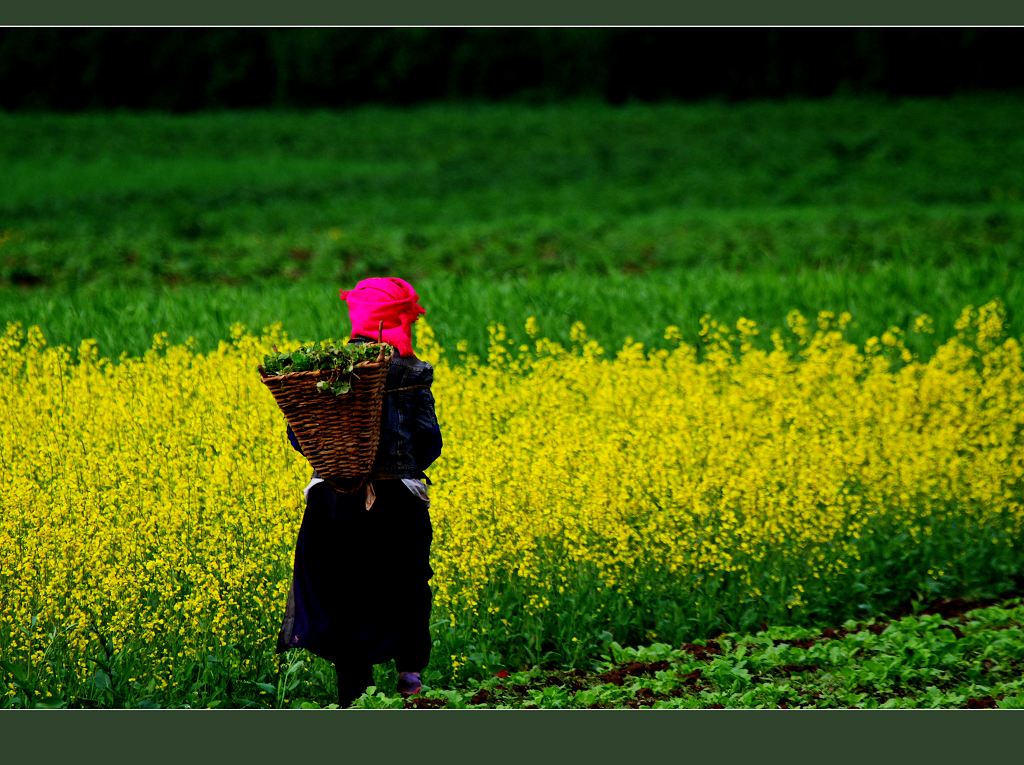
(339, 435)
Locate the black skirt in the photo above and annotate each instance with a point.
(360, 589)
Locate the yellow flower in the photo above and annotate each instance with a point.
(157, 499)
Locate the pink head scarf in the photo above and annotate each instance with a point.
(388, 299)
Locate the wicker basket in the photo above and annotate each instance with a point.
(339, 435)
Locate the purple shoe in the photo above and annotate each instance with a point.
(409, 683)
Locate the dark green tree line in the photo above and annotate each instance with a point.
(192, 69)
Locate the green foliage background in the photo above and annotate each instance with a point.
(116, 226)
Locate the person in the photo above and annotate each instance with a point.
(360, 592)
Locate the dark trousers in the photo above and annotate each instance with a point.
(355, 674)
(353, 680)
(401, 589)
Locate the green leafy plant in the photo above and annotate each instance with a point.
(325, 356)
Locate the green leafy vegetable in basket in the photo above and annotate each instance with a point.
(324, 356)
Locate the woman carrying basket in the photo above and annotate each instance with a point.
(360, 593)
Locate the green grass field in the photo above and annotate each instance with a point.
(118, 226)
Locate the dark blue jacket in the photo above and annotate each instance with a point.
(410, 438)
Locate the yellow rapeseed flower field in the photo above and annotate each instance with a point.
(150, 505)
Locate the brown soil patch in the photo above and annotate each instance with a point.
(691, 678)
(981, 702)
(834, 633)
(702, 652)
(423, 702)
(618, 675)
(574, 679)
(797, 642)
(645, 697)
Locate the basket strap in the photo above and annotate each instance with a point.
(406, 387)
